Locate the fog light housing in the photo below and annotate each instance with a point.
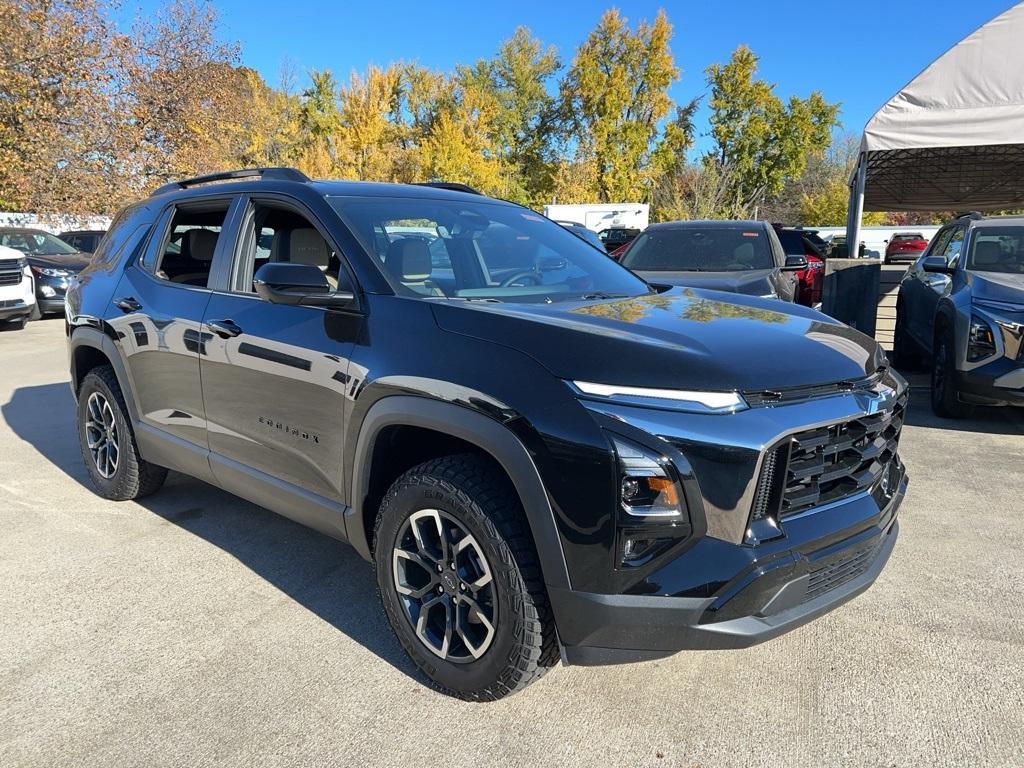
(981, 342)
(47, 291)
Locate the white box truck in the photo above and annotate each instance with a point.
(601, 216)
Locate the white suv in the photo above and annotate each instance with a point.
(17, 290)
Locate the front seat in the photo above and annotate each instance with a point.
(307, 246)
(408, 260)
(987, 253)
(199, 245)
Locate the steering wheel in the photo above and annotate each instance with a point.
(523, 275)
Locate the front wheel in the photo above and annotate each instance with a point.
(945, 399)
(459, 579)
(107, 442)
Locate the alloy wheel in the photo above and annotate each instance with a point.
(101, 434)
(445, 585)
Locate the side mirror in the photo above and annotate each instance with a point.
(795, 263)
(298, 284)
(935, 264)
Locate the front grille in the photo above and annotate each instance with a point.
(10, 278)
(840, 572)
(829, 463)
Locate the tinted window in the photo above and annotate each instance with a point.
(951, 252)
(272, 233)
(997, 249)
(445, 248)
(189, 244)
(700, 249)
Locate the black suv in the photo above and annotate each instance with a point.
(962, 303)
(542, 455)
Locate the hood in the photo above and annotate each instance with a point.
(997, 286)
(73, 262)
(685, 338)
(753, 282)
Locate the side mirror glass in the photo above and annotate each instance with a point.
(795, 263)
(935, 264)
(298, 284)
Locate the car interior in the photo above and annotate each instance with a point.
(277, 234)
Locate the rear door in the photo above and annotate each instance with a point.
(156, 315)
(275, 377)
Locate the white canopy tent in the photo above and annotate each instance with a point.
(952, 138)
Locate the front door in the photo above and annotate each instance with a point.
(275, 377)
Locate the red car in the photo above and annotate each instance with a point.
(800, 242)
(905, 246)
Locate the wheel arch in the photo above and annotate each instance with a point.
(89, 348)
(479, 431)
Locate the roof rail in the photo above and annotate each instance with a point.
(454, 186)
(282, 174)
(973, 215)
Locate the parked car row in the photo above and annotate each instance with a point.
(48, 262)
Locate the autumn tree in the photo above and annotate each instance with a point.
(56, 137)
(524, 115)
(613, 100)
(761, 142)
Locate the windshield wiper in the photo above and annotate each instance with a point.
(602, 295)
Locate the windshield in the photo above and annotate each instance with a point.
(997, 249)
(36, 243)
(700, 249)
(905, 236)
(480, 250)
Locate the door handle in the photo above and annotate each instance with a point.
(127, 304)
(226, 329)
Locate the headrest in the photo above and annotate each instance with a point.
(987, 253)
(408, 259)
(200, 244)
(744, 252)
(307, 246)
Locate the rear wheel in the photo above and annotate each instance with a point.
(459, 579)
(107, 442)
(945, 399)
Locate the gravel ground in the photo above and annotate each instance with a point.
(198, 629)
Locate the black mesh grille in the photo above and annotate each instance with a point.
(769, 487)
(830, 463)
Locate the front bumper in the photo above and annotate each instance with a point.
(1000, 382)
(767, 599)
(50, 292)
(14, 309)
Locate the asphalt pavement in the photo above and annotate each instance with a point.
(198, 629)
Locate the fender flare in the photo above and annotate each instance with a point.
(483, 432)
(87, 336)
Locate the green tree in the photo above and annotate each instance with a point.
(613, 100)
(524, 113)
(761, 141)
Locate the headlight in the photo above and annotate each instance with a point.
(647, 487)
(673, 399)
(981, 342)
(51, 272)
(652, 510)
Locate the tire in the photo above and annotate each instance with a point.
(462, 497)
(945, 402)
(102, 419)
(887, 260)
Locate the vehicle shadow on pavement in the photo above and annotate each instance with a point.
(990, 420)
(324, 575)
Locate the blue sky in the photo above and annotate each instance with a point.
(857, 53)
